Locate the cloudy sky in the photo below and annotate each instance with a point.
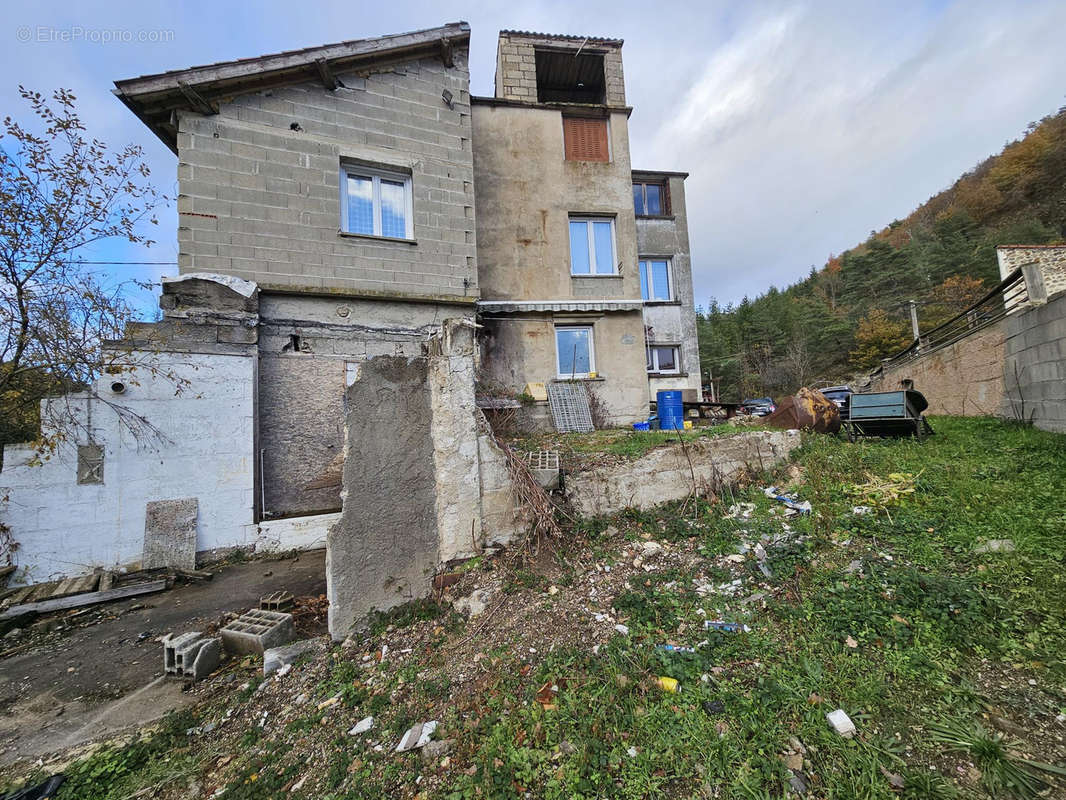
(804, 125)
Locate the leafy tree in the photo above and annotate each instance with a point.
(877, 337)
(61, 191)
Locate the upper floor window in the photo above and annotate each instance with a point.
(592, 246)
(585, 139)
(655, 279)
(649, 199)
(376, 203)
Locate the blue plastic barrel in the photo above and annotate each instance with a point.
(670, 409)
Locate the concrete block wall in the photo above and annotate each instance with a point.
(204, 449)
(963, 379)
(1034, 367)
(262, 201)
(516, 65)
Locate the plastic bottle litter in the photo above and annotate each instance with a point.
(668, 684)
(728, 627)
(673, 648)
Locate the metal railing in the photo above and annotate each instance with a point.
(991, 308)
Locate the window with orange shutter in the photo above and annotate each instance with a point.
(585, 139)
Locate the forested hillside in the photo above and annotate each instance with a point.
(853, 311)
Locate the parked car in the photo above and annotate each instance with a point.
(759, 406)
(841, 395)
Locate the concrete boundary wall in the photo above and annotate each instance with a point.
(1034, 368)
(964, 378)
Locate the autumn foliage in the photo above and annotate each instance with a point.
(854, 310)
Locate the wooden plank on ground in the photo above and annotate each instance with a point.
(87, 599)
(42, 591)
(23, 594)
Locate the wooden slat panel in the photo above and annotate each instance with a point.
(585, 139)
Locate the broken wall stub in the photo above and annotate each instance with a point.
(412, 487)
(309, 350)
(383, 550)
(455, 441)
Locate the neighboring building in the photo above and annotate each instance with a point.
(666, 282)
(560, 249)
(557, 243)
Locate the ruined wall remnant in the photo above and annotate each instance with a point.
(194, 389)
(384, 549)
(411, 496)
(664, 474)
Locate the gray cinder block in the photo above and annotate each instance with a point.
(191, 655)
(256, 631)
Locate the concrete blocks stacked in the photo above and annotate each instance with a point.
(191, 655)
(260, 201)
(256, 631)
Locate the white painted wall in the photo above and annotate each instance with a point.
(63, 528)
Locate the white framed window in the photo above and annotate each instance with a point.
(376, 203)
(592, 246)
(656, 279)
(575, 356)
(664, 359)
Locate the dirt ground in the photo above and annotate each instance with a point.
(74, 676)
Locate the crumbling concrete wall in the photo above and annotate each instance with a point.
(309, 349)
(455, 440)
(411, 477)
(665, 473)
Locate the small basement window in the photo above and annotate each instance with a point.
(664, 360)
(574, 356)
(563, 76)
(650, 199)
(585, 139)
(376, 203)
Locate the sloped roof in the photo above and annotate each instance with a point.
(153, 98)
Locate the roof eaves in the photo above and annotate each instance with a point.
(565, 37)
(153, 97)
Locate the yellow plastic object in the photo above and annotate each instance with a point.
(688, 424)
(592, 374)
(537, 391)
(668, 685)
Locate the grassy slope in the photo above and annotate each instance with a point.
(942, 634)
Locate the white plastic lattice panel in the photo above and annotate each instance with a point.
(569, 404)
